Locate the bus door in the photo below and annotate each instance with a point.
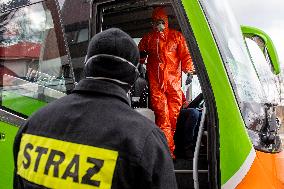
(134, 18)
(34, 68)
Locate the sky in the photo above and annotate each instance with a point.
(267, 15)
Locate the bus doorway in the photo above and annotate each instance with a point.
(135, 19)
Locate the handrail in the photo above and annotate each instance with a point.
(197, 148)
(184, 171)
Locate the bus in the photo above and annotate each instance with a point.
(43, 44)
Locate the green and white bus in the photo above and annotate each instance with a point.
(42, 48)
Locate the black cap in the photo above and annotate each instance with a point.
(112, 54)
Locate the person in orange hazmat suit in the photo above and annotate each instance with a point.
(167, 54)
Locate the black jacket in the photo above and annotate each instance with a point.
(90, 138)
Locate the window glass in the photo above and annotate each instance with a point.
(234, 52)
(251, 89)
(263, 68)
(6, 5)
(82, 35)
(34, 67)
(61, 3)
(75, 16)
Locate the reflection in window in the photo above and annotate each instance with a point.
(76, 27)
(32, 63)
(83, 35)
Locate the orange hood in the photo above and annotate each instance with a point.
(159, 13)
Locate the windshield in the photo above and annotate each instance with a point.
(246, 82)
(249, 82)
(233, 50)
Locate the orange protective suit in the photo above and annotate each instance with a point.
(167, 55)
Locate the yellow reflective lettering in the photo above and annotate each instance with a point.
(59, 164)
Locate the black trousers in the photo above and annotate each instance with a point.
(186, 132)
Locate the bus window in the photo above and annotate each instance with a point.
(264, 69)
(76, 26)
(34, 63)
(82, 35)
(192, 90)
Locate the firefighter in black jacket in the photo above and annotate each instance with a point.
(92, 138)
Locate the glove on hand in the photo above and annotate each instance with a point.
(189, 79)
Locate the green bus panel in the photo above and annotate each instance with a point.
(22, 104)
(233, 134)
(8, 133)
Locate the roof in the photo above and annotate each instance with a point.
(20, 50)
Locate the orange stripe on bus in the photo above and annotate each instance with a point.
(266, 172)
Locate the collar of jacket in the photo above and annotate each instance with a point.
(102, 87)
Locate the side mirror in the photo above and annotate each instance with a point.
(265, 44)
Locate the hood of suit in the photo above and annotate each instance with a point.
(159, 13)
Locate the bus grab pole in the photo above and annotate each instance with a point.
(197, 147)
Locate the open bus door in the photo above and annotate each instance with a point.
(135, 19)
(35, 69)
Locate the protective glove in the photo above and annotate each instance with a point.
(189, 79)
(143, 56)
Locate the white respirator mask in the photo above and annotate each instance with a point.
(161, 27)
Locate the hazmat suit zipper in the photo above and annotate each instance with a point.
(160, 61)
